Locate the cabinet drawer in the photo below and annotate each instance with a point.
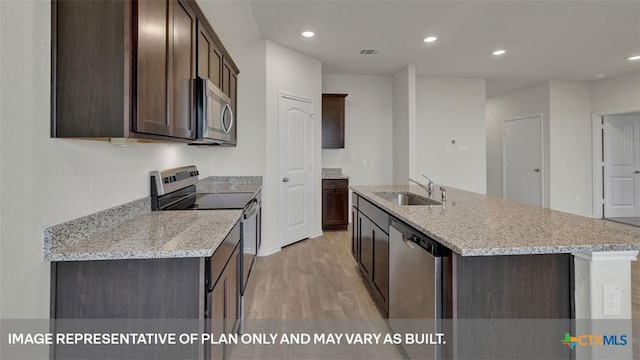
(354, 200)
(330, 184)
(222, 255)
(374, 213)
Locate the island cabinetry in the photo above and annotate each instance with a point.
(370, 243)
(510, 286)
(335, 204)
(355, 233)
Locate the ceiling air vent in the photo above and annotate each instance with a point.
(369, 51)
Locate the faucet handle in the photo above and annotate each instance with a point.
(426, 177)
(444, 193)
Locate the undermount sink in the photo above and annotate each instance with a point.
(405, 198)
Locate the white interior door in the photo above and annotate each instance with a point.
(522, 162)
(621, 166)
(296, 179)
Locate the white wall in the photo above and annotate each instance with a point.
(368, 128)
(616, 95)
(532, 100)
(83, 177)
(404, 119)
(449, 108)
(294, 73)
(570, 147)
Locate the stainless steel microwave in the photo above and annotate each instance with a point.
(215, 119)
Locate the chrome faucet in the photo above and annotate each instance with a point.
(428, 187)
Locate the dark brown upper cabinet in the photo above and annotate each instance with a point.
(333, 121)
(126, 69)
(209, 57)
(165, 69)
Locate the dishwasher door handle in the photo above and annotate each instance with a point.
(408, 242)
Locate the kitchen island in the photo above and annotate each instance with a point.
(500, 259)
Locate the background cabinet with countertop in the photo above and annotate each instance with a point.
(127, 69)
(335, 204)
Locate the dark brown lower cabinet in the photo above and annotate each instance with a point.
(335, 204)
(370, 244)
(204, 293)
(355, 234)
(224, 315)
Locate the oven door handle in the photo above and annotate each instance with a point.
(251, 210)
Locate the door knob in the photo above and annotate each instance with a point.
(536, 170)
(285, 179)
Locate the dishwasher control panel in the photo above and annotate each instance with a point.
(421, 240)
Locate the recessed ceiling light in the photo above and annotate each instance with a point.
(308, 34)
(499, 52)
(634, 58)
(430, 39)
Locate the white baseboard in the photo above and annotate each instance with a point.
(268, 252)
(318, 234)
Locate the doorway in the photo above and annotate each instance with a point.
(522, 160)
(620, 167)
(296, 160)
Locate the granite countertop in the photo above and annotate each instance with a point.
(157, 234)
(473, 224)
(133, 231)
(333, 174)
(226, 184)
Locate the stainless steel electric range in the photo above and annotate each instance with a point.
(175, 189)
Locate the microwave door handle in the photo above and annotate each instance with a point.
(205, 109)
(224, 127)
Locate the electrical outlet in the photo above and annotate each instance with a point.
(611, 299)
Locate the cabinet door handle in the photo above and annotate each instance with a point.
(637, 171)
(285, 179)
(536, 170)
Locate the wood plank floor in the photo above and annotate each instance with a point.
(312, 279)
(313, 285)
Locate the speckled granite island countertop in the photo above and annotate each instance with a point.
(133, 231)
(473, 224)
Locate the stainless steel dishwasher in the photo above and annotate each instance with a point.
(415, 287)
